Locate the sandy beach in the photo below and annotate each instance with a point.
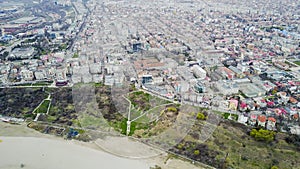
(44, 153)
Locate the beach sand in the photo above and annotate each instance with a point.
(44, 153)
(128, 148)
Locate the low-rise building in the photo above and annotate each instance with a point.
(227, 87)
(261, 120)
(27, 75)
(271, 124)
(251, 90)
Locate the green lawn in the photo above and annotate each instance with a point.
(43, 107)
(297, 63)
(90, 121)
(42, 84)
(226, 115)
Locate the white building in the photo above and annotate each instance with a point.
(27, 75)
(227, 87)
(199, 72)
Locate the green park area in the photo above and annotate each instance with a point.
(43, 107)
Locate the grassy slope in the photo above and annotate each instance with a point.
(244, 152)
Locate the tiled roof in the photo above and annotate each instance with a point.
(262, 118)
(272, 119)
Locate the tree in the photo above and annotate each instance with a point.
(172, 109)
(180, 146)
(5, 54)
(196, 152)
(274, 167)
(253, 132)
(201, 116)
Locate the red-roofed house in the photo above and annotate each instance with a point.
(229, 74)
(271, 125)
(252, 120)
(293, 100)
(243, 106)
(270, 104)
(261, 120)
(295, 116)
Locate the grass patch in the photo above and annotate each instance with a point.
(99, 84)
(42, 84)
(144, 101)
(226, 115)
(234, 117)
(123, 126)
(43, 107)
(297, 63)
(89, 121)
(75, 55)
(51, 118)
(133, 127)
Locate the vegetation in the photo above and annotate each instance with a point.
(63, 47)
(294, 140)
(75, 55)
(201, 116)
(243, 147)
(61, 111)
(134, 126)
(62, 107)
(172, 109)
(140, 100)
(297, 63)
(27, 100)
(99, 84)
(144, 101)
(262, 135)
(43, 107)
(230, 116)
(167, 116)
(226, 115)
(42, 83)
(156, 167)
(232, 139)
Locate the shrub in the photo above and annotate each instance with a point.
(201, 116)
(196, 152)
(171, 109)
(262, 135)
